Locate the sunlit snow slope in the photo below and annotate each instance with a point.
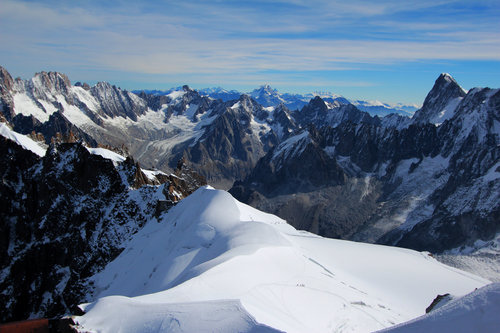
(215, 264)
(475, 312)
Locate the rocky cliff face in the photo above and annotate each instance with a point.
(321, 113)
(242, 131)
(441, 101)
(465, 207)
(67, 214)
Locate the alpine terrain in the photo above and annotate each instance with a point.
(106, 211)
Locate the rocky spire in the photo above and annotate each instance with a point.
(441, 101)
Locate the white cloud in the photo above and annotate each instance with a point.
(214, 38)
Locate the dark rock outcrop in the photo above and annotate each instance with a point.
(63, 217)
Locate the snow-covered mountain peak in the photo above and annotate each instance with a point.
(292, 146)
(176, 94)
(447, 77)
(54, 82)
(212, 90)
(441, 101)
(220, 93)
(318, 103)
(264, 89)
(247, 104)
(267, 96)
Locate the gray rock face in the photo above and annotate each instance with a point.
(115, 102)
(6, 87)
(56, 127)
(234, 141)
(466, 206)
(321, 113)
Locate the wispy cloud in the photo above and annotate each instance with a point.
(240, 40)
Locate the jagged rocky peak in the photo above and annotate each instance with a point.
(6, 81)
(246, 101)
(282, 116)
(264, 89)
(316, 108)
(248, 105)
(186, 101)
(191, 96)
(115, 102)
(267, 96)
(320, 113)
(441, 102)
(102, 86)
(6, 87)
(318, 103)
(281, 109)
(52, 81)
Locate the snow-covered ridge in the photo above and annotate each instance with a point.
(106, 153)
(268, 96)
(212, 252)
(23, 140)
(475, 312)
(293, 146)
(40, 149)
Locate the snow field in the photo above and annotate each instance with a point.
(475, 312)
(213, 253)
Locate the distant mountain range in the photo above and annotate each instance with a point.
(269, 97)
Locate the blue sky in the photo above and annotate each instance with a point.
(386, 50)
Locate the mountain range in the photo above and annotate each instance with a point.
(429, 182)
(267, 97)
(92, 169)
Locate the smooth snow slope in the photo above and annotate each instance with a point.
(478, 311)
(22, 140)
(212, 257)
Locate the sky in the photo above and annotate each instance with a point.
(387, 50)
